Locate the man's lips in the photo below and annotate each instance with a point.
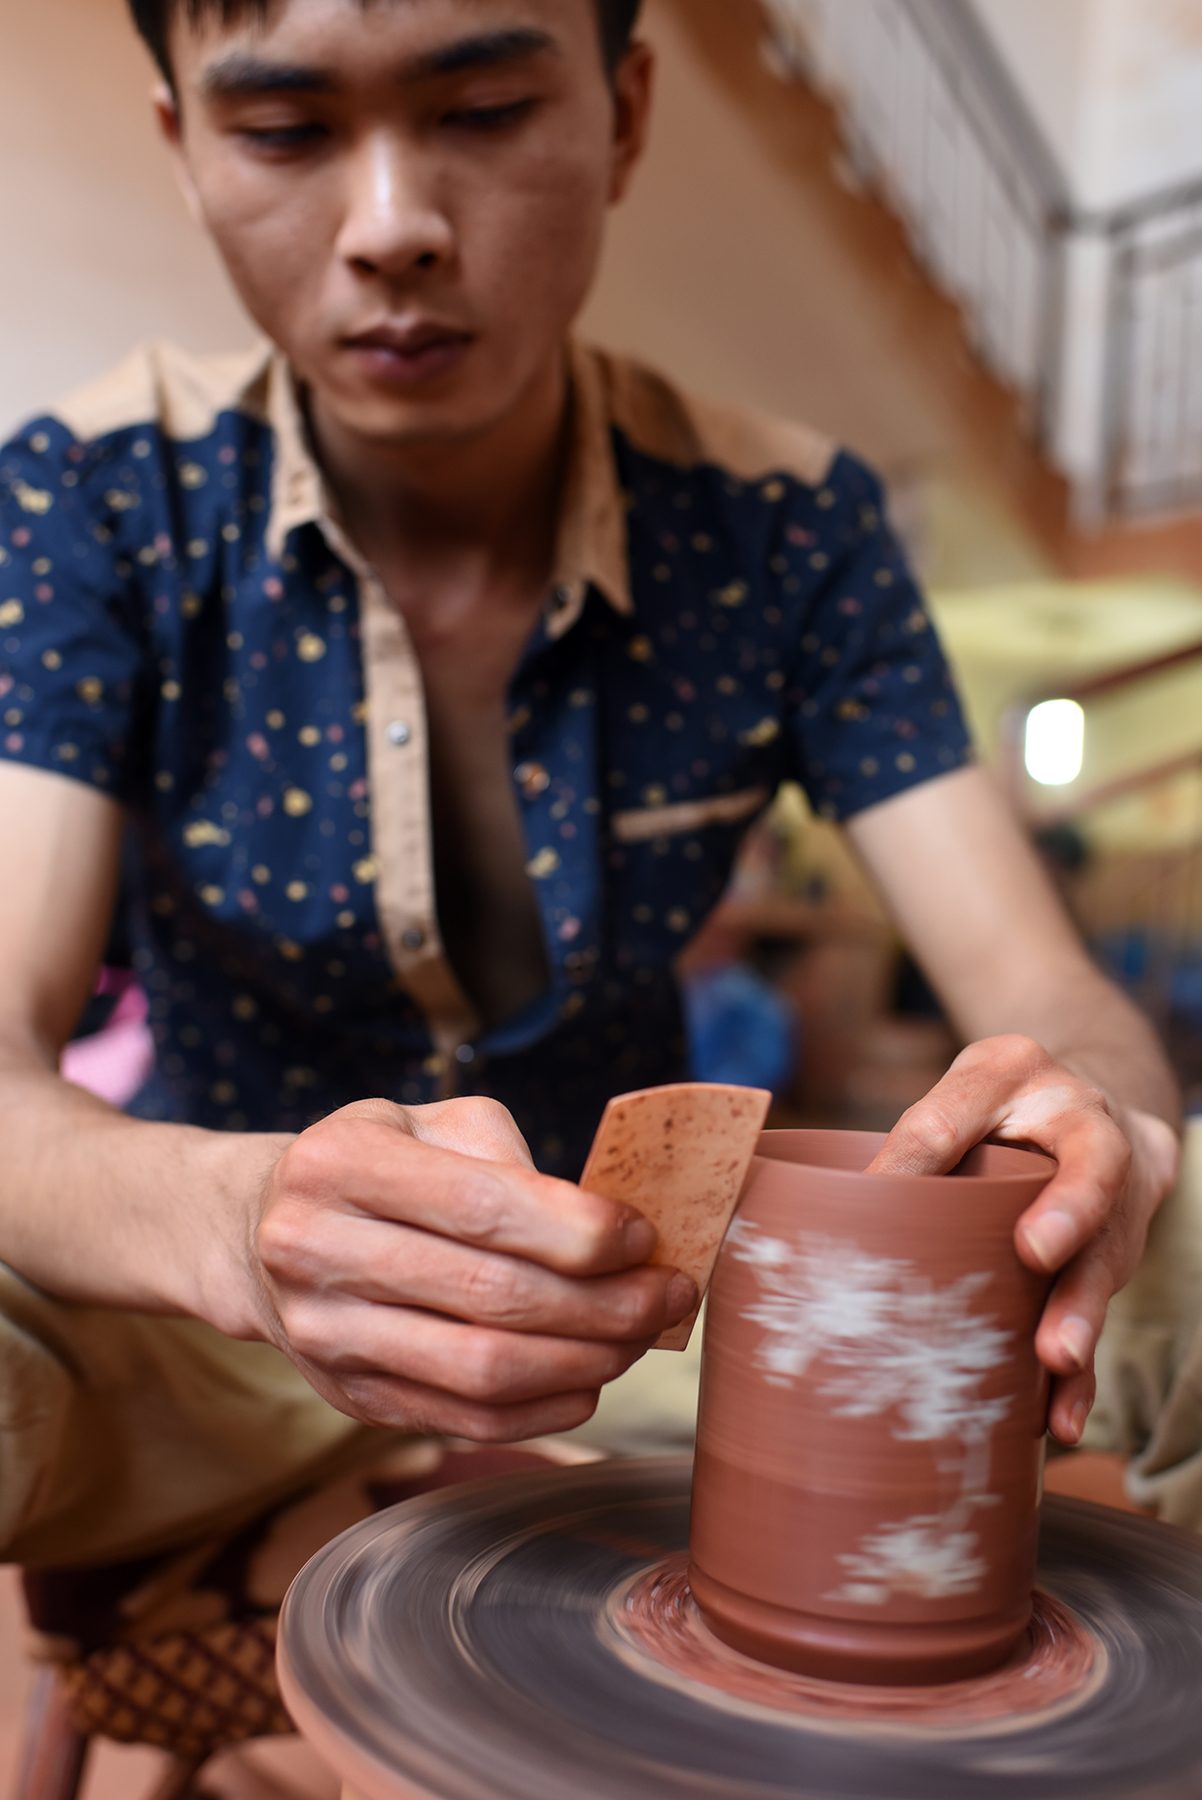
(411, 353)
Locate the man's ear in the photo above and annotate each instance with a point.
(166, 112)
(633, 83)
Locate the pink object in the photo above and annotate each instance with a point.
(113, 1063)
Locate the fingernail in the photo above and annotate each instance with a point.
(640, 1238)
(1080, 1413)
(1076, 1339)
(681, 1297)
(1052, 1237)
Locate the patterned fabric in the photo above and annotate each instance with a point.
(188, 1694)
(184, 625)
(178, 1651)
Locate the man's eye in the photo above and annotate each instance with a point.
(490, 118)
(284, 137)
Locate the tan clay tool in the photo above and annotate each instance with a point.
(680, 1154)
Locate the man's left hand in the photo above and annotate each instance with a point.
(1090, 1223)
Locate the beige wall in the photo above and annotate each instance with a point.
(97, 247)
(719, 267)
(1115, 84)
(726, 269)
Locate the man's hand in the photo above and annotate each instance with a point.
(1090, 1222)
(419, 1272)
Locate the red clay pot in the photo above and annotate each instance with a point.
(866, 1486)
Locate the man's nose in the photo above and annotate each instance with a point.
(393, 223)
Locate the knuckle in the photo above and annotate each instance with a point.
(639, 1307)
(307, 1333)
(1094, 1100)
(494, 1289)
(314, 1162)
(487, 1425)
(1010, 1052)
(931, 1126)
(482, 1109)
(383, 1401)
(479, 1203)
(597, 1224)
(282, 1240)
(484, 1366)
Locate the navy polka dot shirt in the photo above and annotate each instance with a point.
(184, 625)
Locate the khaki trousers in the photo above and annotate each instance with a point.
(1149, 1405)
(123, 1435)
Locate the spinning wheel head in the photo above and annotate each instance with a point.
(481, 1644)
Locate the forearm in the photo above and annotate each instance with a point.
(111, 1211)
(1092, 1028)
(981, 915)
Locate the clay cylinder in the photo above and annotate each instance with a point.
(869, 1441)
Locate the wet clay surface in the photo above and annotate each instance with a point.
(865, 1495)
(1059, 1664)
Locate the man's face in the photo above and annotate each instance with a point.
(410, 195)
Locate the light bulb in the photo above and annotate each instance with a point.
(1054, 746)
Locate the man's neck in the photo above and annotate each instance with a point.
(489, 498)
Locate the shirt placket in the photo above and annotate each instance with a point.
(398, 759)
(402, 830)
(569, 893)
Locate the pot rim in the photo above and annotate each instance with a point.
(1018, 1167)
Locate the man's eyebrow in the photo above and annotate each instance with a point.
(483, 51)
(237, 75)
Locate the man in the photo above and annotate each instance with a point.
(437, 665)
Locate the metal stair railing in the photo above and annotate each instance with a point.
(1095, 318)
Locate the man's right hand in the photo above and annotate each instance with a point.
(421, 1273)
(410, 1261)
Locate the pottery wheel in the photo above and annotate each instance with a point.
(521, 1639)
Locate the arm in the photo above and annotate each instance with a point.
(410, 1261)
(1057, 1056)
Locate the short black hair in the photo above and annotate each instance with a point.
(616, 19)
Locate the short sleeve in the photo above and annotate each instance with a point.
(874, 707)
(72, 654)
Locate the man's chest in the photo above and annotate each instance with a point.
(293, 796)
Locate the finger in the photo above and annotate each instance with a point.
(966, 1105)
(1006, 1086)
(371, 1162)
(498, 1368)
(1094, 1159)
(392, 1264)
(1076, 1310)
(388, 1401)
(476, 1126)
(1072, 1399)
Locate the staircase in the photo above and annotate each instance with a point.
(1094, 317)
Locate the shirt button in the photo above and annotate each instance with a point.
(532, 778)
(399, 733)
(561, 597)
(414, 938)
(465, 1054)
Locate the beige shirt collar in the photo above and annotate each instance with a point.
(591, 544)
